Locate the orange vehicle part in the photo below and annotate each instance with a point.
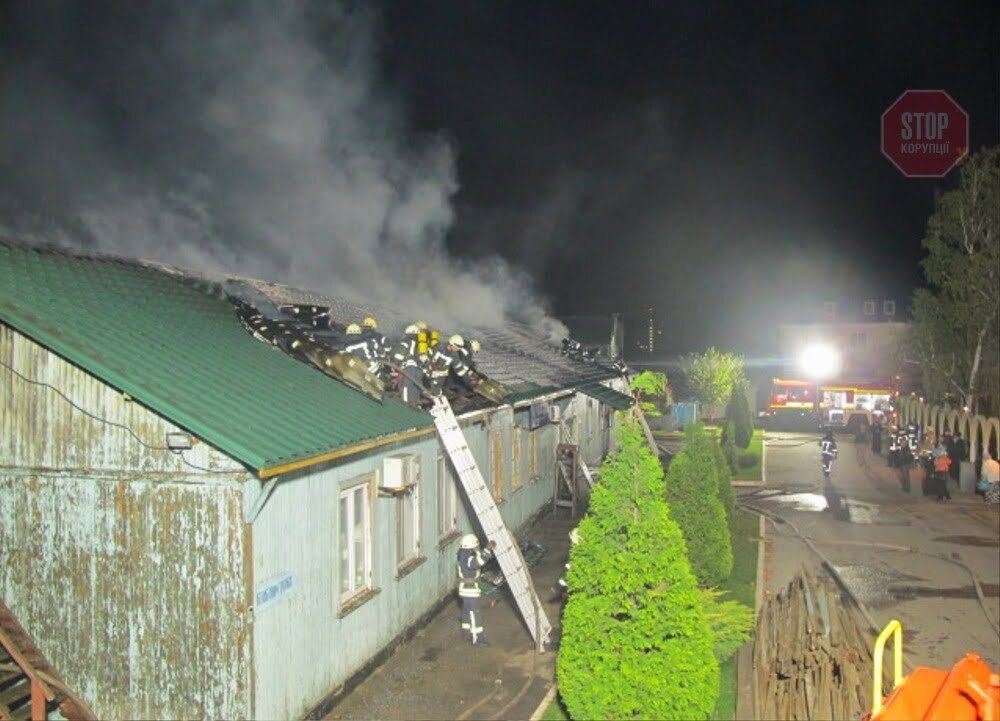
(970, 691)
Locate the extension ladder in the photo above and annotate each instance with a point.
(507, 553)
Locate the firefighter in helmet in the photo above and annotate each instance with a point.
(411, 364)
(471, 559)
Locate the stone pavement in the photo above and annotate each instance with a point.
(897, 551)
(439, 675)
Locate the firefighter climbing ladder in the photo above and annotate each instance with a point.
(507, 553)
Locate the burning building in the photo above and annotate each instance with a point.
(194, 523)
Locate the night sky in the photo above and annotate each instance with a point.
(718, 161)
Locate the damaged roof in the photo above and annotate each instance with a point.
(512, 355)
(177, 347)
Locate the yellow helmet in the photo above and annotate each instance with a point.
(475, 346)
(354, 329)
(421, 325)
(457, 340)
(369, 322)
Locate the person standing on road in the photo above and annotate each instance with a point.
(956, 452)
(939, 482)
(904, 460)
(471, 560)
(828, 451)
(991, 478)
(877, 437)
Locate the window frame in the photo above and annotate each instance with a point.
(888, 308)
(496, 467)
(409, 500)
(869, 307)
(447, 499)
(365, 485)
(516, 461)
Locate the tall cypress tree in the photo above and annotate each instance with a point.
(635, 640)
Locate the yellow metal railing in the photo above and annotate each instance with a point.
(894, 629)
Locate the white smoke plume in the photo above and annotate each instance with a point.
(254, 138)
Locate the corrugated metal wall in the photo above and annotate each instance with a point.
(130, 581)
(302, 645)
(41, 430)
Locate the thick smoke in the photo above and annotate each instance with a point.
(253, 138)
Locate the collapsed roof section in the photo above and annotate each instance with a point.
(511, 355)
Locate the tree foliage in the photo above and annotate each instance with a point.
(954, 334)
(724, 476)
(692, 491)
(713, 375)
(739, 417)
(635, 642)
(731, 622)
(652, 391)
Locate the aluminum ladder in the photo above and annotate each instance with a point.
(507, 552)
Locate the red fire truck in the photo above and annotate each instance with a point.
(843, 404)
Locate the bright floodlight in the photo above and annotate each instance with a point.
(820, 360)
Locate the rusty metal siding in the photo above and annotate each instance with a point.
(41, 430)
(302, 646)
(125, 565)
(133, 590)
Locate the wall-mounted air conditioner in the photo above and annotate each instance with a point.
(555, 413)
(399, 473)
(538, 415)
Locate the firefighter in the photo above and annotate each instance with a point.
(828, 451)
(471, 560)
(449, 361)
(376, 345)
(574, 538)
(411, 365)
(466, 351)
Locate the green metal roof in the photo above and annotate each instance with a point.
(608, 396)
(179, 349)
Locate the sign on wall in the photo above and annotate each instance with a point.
(272, 592)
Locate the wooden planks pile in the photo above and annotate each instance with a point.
(812, 655)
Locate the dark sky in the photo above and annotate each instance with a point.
(717, 160)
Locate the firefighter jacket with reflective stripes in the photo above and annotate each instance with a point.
(828, 447)
(406, 353)
(452, 362)
(470, 564)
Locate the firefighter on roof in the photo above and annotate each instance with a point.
(450, 360)
(411, 363)
(373, 345)
(471, 560)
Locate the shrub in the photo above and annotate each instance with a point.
(651, 390)
(724, 478)
(731, 623)
(747, 460)
(692, 491)
(635, 639)
(739, 418)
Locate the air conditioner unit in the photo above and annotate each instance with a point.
(555, 413)
(399, 473)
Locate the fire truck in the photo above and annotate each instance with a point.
(839, 404)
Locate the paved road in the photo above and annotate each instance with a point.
(932, 596)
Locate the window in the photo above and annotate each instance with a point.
(517, 472)
(496, 464)
(355, 540)
(447, 499)
(869, 307)
(408, 515)
(533, 449)
(888, 307)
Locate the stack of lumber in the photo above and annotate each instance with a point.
(812, 656)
